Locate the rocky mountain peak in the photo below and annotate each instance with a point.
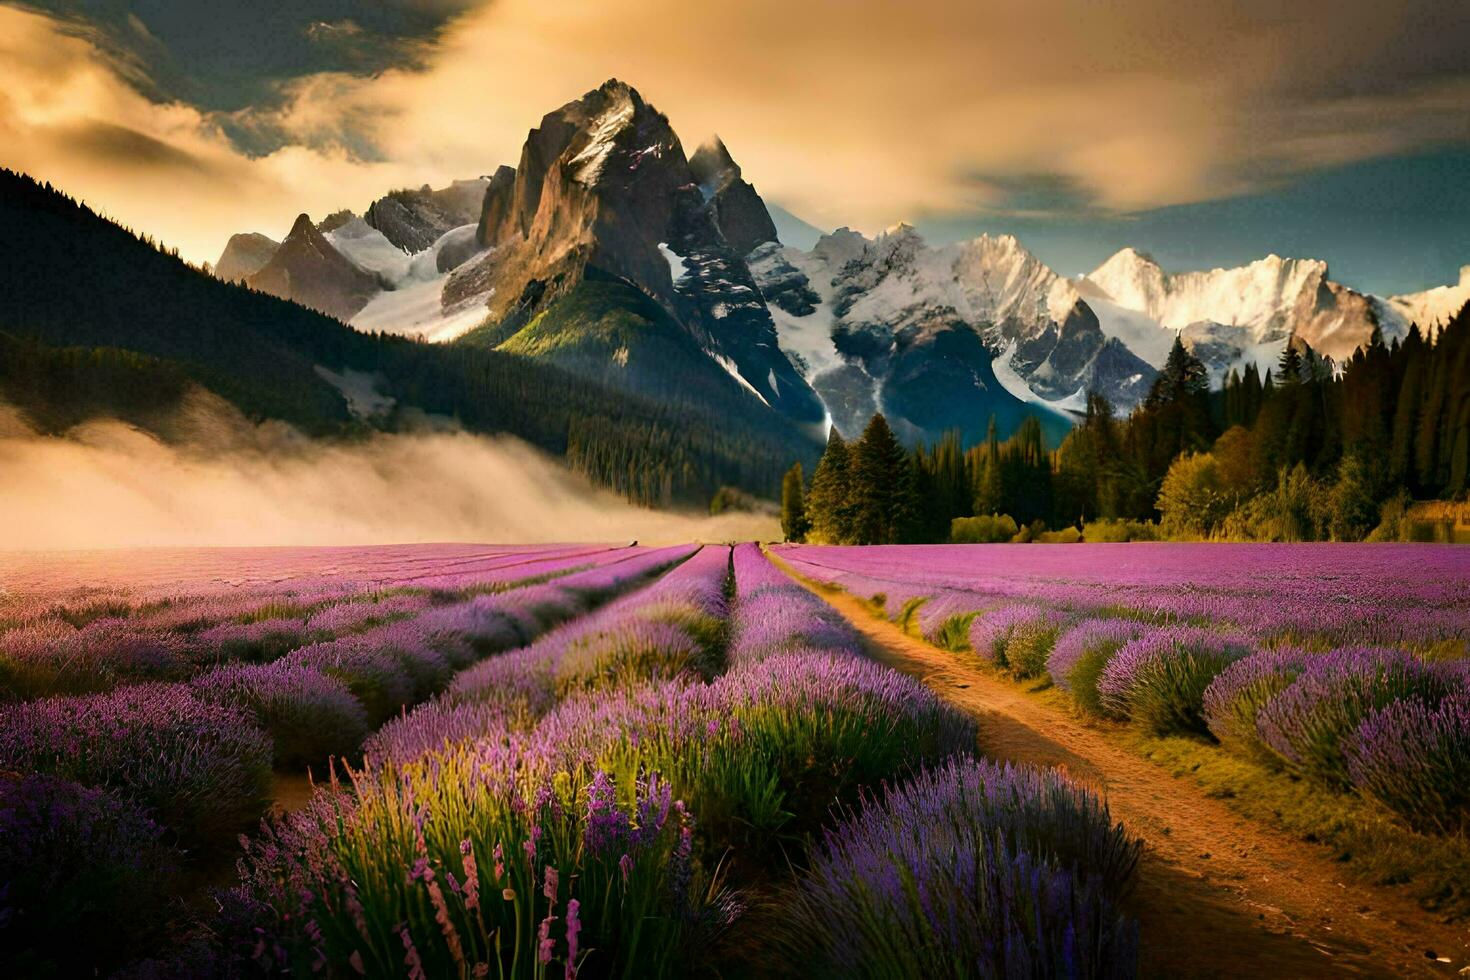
(713, 166)
(840, 247)
(308, 269)
(245, 255)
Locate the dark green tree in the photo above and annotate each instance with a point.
(829, 506)
(794, 522)
(882, 489)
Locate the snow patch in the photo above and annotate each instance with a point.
(1012, 382)
(677, 270)
(734, 371)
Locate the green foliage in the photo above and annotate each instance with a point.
(881, 485)
(982, 529)
(1118, 531)
(794, 523)
(1028, 646)
(829, 507)
(1193, 502)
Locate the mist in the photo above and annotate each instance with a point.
(222, 481)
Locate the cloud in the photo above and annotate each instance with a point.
(107, 485)
(847, 111)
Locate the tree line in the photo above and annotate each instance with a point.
(1308, 450)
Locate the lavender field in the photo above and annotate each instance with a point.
(630, 761)
(1347, 665)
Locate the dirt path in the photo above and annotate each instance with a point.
(1218, 895)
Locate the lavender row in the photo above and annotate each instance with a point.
(672, 627)
(1391, 594)
(199, 756)
(173, 641)
(583, 840)
(966, 870)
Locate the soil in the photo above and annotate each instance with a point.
(1218, 894)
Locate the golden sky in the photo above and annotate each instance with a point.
(846, 111)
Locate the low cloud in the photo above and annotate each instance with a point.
(106, 485)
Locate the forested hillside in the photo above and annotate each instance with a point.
(89, 301)
(1305, 453)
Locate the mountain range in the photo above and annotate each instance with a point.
(610, 252)
(636, 310)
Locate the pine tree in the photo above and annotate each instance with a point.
(881, 487)
(793, 507)
(1289, 365)
(829, 505)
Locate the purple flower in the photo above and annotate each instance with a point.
(1159, 679)
(1308, 721)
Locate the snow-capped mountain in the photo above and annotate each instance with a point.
(852, 308)
(1429, 309)
(607, 250)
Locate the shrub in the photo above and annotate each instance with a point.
(1192, 500)
(1234, 699)
(203, 768)
(1067, 535)
(982, 529)
(766, 749)
(1415, 759)
(309, 715)
(1159, 679)
(1308, 721)
(630, 652)
(52, 657)
(1016, 638)
(1080, 654)
(87, 880)
(785, 617)
(1118, 531)
(374, 675)
(970, 870)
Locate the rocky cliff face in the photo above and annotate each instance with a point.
(603, 190)
(310, 271)
(738, 209)
(414, 220)
(244, 256)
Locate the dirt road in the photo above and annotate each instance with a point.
(1218, 895)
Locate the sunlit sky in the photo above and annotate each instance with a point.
(1206, 133)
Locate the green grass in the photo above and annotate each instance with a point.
(1373, 845)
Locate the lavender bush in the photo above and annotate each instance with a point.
(970, 870)
(52, 657)
(203, 769)
(1414, 757)
(1307, 723)
(1159, 679)
(1234, 699)
(458, 867)
(1016, 638)
(85, 880)
(310, 716)
(1077, 659)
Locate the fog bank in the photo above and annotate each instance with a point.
(105, 484)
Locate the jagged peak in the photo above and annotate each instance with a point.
(1465, 275)
(713, 166)
(1130, 256)
(302, 226)
(902, 231)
